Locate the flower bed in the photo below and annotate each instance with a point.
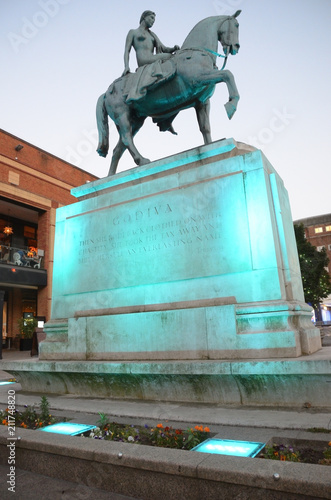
(299, 451)
(28, 418)
(158, 435)
(303, 451)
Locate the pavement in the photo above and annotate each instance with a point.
(229, 422)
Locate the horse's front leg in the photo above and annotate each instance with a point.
(227, 77)
(202, 110)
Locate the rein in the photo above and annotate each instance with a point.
(219, 55)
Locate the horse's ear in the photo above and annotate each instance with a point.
(237, 13)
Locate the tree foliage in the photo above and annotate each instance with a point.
(315, 278)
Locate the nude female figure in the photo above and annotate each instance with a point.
(144, 42)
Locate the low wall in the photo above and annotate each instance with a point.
(152, 473)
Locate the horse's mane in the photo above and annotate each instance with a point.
(193, 38)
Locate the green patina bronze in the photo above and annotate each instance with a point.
(166, 83)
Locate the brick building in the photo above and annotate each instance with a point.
(318, 233)
(33, 184)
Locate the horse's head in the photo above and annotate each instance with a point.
(228, 34)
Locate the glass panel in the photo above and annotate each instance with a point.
(30, 232)
(230, 447)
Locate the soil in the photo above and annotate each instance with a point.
(308, 456)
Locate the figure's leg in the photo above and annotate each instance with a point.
(227, 77)
(202, 110)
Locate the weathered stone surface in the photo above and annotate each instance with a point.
(192, 257)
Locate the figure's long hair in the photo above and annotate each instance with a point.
(145, 14)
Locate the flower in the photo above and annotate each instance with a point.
(160, 426)
(206, 429)
(281, 452)
(130, 438)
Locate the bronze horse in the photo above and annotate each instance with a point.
(190, 84)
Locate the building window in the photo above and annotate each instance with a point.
(318, 230)
(320, 248)
(30, 236)
(329, 247)
(327, 228)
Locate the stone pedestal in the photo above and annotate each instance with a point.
(191, 257)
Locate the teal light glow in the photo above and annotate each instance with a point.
(229, 447)
(5, 382)
(68, 428)
(223, 146)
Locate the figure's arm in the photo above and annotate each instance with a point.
(162, 48)
(128, 45)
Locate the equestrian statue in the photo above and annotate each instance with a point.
(167, 80)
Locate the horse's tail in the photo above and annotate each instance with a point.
(103, 127)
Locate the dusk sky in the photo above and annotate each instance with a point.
(58, 56)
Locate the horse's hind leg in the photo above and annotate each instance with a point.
(120, 147)
(117, 153)
(202, 110)
(127, 133)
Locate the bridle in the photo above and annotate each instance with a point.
(216, 53)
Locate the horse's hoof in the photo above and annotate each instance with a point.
(230, 109)
(143, 161)
(102, 152)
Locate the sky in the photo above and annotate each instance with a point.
(58, 56)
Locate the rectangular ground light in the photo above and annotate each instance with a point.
(68, 428)
(230, 447)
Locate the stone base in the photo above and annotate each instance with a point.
(191, 257)
(290, 383)
(194, 332)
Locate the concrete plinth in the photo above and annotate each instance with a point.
(191, 257)
(279, 382)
